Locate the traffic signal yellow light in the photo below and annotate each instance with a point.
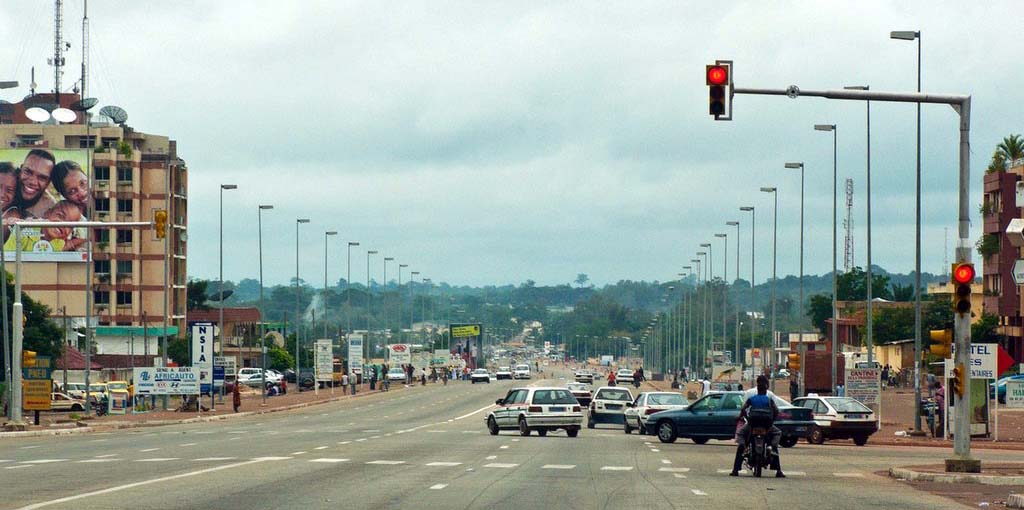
(963, 276)
(941, 343)
(793, 362)
(959, 380)
(160, 223)
(28, 358)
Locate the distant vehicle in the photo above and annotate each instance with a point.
(536, 409)
(624, 375)
(75, 390)
(254, 376)
(503, 373)
(521, 372)
(396, 374)
(608, 405)
(62, 402)
(581, 391)
(584, 376)
(839, 418)
(648, 403)
(714, 416)
(1001, 385)
(480, 375)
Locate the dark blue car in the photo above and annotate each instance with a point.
(714, 417)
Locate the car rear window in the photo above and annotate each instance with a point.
(553, 397)
(848, 405)
(666, 399)
(611, 394)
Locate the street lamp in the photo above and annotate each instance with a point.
(348, 289)
(835, 277)
(326, 235)
(775, 230)
(871, 281)
(737, 304)
(263, 319)
(801, 346)
(400, 267)
(711, 278)
(753, 308)
(704, 343)
(695, 261)
(220, 304)
(910, 36)
(298, 291)
(412, 301)
(725, 288)
(687, 306)
(369, 296)
(385, 299)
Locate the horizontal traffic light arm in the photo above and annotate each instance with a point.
(860, 95)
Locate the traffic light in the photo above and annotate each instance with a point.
(959, 380)
(160, 223)
(28, 358)
(941, 343)
(963, 276)
(793, 362)
(718, 80)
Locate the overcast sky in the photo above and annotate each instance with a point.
(495, 142)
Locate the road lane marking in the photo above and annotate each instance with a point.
(617, 468)
(795, 473)
(558, 466)
(674, 470)
(212, 459)
(500, 465)
(344, 442)
(655, 450)
(677, 475)
(30, 447)
(149, 450)
(297, 453)
(360, 440)
(328, 460)
(438, 486)
(187, 444)
(444, 464)
(96, 461)
(503, 447)
(320, 448)
(371, 430)
(482, 409)
(386, 462)
(43, 461)
(666, 461)
(698, 492)
(18, 467)
(158, 459)
(491, 457)
(144, 482)
(374, 437)
(105, 456)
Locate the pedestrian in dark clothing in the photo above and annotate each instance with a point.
(284, 386)
(794, 388)
(236, 397)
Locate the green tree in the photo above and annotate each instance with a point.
(178, 350)
(279, 359)
(820, 309)
(892, 324)
(582, 279)
(1012, 148)
(902, 292)
(196, 295)
(984, 331)
(852, 286)
(40, 334)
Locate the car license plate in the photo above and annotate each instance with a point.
(759, 431)
(613, 406)
(556, 409)
(855, 416)
(801, 429)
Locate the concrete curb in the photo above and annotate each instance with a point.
(1015, 501)
(40, 433)
(916, 476)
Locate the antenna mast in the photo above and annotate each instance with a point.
(58, 44)
(848, 228)
(85, 46)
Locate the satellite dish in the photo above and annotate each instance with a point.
(115, 113)
(64, 115)
(84, 104)
(36, 114)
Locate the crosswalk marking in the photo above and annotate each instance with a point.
(500, 465)
(328, 460)
(558, 466)
(617, 468)
(674, 470)
(444, 464)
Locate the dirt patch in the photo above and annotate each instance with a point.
(976, 495)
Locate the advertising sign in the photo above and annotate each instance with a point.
(48, 184)
(202, 353)
(36, 394)
(166, 381)
(726, 373)
(324, 359)
(355, 353)
(864, 385)
(987, 362)
(118, 402)
(465, 330)
(441, 357)
(228, 363)
(1015, 394)
(399, 354)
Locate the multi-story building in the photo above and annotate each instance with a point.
(134, 174)
(1002, 297)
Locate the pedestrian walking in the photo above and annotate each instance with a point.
(354, 380)
(236, 397)
(705, 386)
(940, 399)
(794, 388)
(284, 386)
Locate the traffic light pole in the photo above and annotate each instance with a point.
(961, 321)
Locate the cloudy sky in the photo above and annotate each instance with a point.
(495, 142)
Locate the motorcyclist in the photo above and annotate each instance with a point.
(761, 400)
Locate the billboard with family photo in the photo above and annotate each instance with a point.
(45, 185)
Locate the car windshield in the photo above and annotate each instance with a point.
(576, 387)
(480, 371)
(847, 405)
(553, 397)
(503, 369)
(522, 367)
(396, 371)
(614, 394)
(666, 399)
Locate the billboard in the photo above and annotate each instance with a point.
(399, 354)
(45, 184)
(166, 381)
(467, 340)
(202, 353)
(324, 359)
(355, 352)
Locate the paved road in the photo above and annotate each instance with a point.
(428, 448)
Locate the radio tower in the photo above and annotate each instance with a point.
(848, 228)
(58, 44)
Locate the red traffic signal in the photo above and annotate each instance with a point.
(718, 80)
(963, 273)
(963, 277)
(717, 75)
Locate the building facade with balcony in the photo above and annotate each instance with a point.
(1001, 295)
(134, 174)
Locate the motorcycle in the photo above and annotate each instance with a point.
(758, 455)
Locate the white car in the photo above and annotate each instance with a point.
(396, 374)
(75, 390)
(648, 403)
(608, 405)
(480, 375)
(254, 376)
(503, 373)
(624, 376)
(521, 372)
(584, 376)
(838, 418)
(540, 409)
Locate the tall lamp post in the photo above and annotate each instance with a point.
(803, 348)
(705, 342)
(700, 334)
(835, 275)
(753, 308)
(412, 300)
(737, 304)
(263, 319)
(298, 297)
(685, 324)
(348, 289)
(775, 230)
(326, 235)
(907, 35)
(400, 268)
(710, 269)
(369, 295)
(725, 287)
(220, 300)
(384, 306)
(869, 322)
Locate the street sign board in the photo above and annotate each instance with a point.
(166, 381)
(399, 354)
(324, 360)
(36, 394)
(864, 385)
(355, 353)
(1018, 272)
(465, 330)
(441, 357)
(202, 353)
(987, 362)
(1015, 394)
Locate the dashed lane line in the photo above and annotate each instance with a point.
(500, 465)
(320, 448)
(158, 459)
(438, 486)
(558, 466)
(43, 461)
(212, 459)
(105, 456)
(444, 464)
(674, 470)
(666, 461)
(147, 450)
(491, 457)
(97, 461)
(328, 460)
(297, 453)
(386, 462)
(698, 492)
(19, 466)
(616, 468)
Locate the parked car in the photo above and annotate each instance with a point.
(396, 374)
(648, 403)
(536, 409)
(581, 392)
(503, 373)
(608, 405)
(254, 376)
(521, 372)
(62, 402)
(714, 416)
(584, 376)
(75, 390)
(839, 418)
(1001, 385)
(624, 376)
(480, 375)
(306, 378)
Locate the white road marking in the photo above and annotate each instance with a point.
(18, 467)
(655, 450)
(491, 457)
(795, 473)
(328, 460)
(187, 444)
(4, 460)
(721, 471)
(666, 461)
(444, 464)
(617, 468)
(558, 466)
(387, 462)
(30, 447)
(500, 465)
(503, 447)
(145, 482)
(96, 461)
(677, 475)
(482, 409)
(105, 456)
(374, 437)
(158, 459)
(438, 486)
(360, 440)
(698, 493)
(848, 475)
(344, 442)
(99, 440)
(320, 448)
(297, 453)
(674, 470)
(212, 459)
(271, 458)
(372, 430)
(43, 461)
(234, 439)
(238, 432)
(149, 450)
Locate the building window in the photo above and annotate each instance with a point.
(101, 266)
(102, 236)
(124, 205)
(124, 174)
(102, 204)
(101, 297)
(102, 173)
(124, 236)
(124, 297)
(124, 267)
(86, 142)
